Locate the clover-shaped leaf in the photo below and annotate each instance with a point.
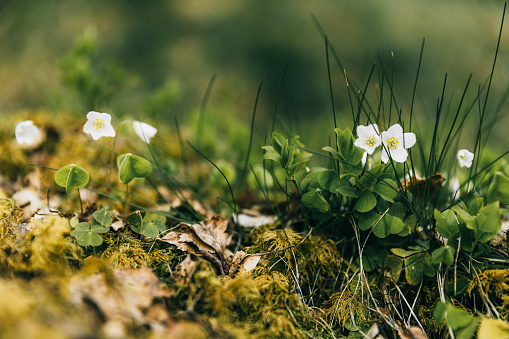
(71, 176)
(87, 235)
(136, 218)
(149, 229)
(103, 216)
(131, 166)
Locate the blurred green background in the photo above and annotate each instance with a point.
(178, 45)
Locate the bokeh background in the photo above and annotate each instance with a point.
(169, 51)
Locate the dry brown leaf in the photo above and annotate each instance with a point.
(253, 218)
(135, 297)
(118, 225)
(186, 270)
(411, 333)
(243, 262)
(213, 232)
(249, 262)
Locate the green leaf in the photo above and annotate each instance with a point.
(314, 199)
(443, 255)
(463, 215)
(386, 189)
(499, 189)
(397, 210)
(440, 312)
(371, 176)
(149, 229)
(158, 220)
(461, 286)
(278, 141)
(345, 142)
(447, 225)
(416, 266)
(71, 176)
(131, 166)
(366, 202)
(273, 156)
(103, 217)
(395, 264)
(347, 191)
(402, 253)
(463, 324)
(489, 222)
(98, 228)
(74, 221)
(388, 225)
(81, 228)
(135, 218)
(367, 220)
(329, 180)
(89, 239)
(476, 206)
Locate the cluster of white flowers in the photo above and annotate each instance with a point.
(395, 144)
(99, 125)
(393, 141)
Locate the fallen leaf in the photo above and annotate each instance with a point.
(213, 232)
(253, 218)
(243, 262)
(411, 333)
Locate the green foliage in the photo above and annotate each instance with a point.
(462, 323)
(131, 166)
(150, 225)
(71, 176)
(94, 82)
(88, 234)
(349, 156)
(287, 154)
(499, 189)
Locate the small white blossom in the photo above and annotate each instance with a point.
(144, 131)
(465, 158)
(395, 143)
(99, 125)
(27, 133)
(368, 138)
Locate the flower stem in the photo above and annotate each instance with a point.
(125, 200)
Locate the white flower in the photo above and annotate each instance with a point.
(27, 133)
(99, 125)
(368, 138)
(144, 131)
(465, 158)
(395, 143)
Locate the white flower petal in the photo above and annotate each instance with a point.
(144, 131)
(27, 133)
(396, 131)
(385, 156)
(399, 154)
(99, 125)
(369, 138)
(364, 158)
(410, 139)
(465, 158)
